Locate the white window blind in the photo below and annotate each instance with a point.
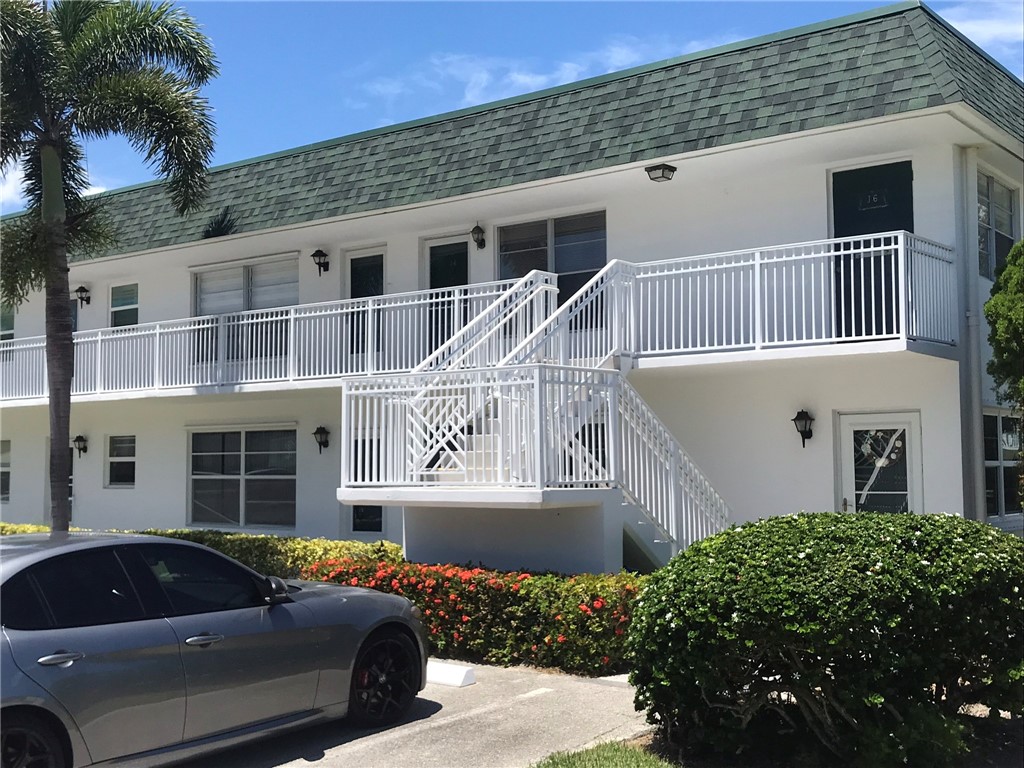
(254, 286)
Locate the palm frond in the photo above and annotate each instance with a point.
(25, 267)
(76, 179)
(130, 35)
(221, 224)
(22, 271)
(70, 16)
(31, 63)
(163, 117)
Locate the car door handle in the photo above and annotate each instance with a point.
(204, 639)
(61, 659)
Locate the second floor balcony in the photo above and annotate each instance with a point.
(886, 287)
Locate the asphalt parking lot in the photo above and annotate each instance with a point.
(510, 718)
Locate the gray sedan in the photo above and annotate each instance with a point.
(137, 650)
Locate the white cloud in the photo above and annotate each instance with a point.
(481, 79)
(998, 27)
(93, 189)
(10, 190)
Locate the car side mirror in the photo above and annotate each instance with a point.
(278, 590)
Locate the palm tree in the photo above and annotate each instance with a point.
(72, 71)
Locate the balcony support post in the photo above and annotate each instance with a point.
(902, 276)
(99, 361)
(540, 434)
(157, 377)
(292, 362)
(758, 340)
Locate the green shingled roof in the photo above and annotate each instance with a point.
(884, 62)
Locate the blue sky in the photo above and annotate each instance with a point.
(297, 72)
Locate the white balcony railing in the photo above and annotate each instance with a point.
(379, 335)
(537, 426)
(871, 287)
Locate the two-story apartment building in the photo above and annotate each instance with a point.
(569, 330)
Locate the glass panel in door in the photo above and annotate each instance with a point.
(366, 279)
(880, 463)
(449, 267)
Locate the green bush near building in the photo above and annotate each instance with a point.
(855, 636)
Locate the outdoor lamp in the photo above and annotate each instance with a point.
(83, 295)
(802, 422)
(322, 261)
(477, 233)
(322, 434)
(81, 444)
(660, 172)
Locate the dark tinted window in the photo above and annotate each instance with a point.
(86, 588)
(20, 606)
(199, 582)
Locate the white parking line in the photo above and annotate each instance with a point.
(535, 692)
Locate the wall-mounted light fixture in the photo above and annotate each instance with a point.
(660, 172)
(322, 435)
(802, 421)
(477, 233)
(83, 295)
(322, 261)
(81, 444)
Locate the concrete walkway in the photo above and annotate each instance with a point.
(510, 718)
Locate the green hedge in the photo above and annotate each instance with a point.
(577, 624)
(274, 555)
(857, 635)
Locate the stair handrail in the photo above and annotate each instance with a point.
(493, 320)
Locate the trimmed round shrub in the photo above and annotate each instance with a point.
(859, 636)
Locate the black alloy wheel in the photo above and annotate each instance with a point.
(27, 742)
(385, 679)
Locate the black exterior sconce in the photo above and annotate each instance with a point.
(82, 293)
(322, 435)
(802, 421)
(322, 261)
(81, 444)
(477, 233)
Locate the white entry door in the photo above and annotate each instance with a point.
(880, 462)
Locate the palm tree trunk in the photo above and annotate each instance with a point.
(60, 360)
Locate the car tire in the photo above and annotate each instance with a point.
(385, 679)
(29, 741)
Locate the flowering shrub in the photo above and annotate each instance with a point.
(857, 634)
(577, 624)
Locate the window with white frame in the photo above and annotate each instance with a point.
(5, 470)
(1002, 452)
(6, 323)
(260, 285)
(124, 305)
(243, 477)
(121, 461)
(997, 224)
(574, 247)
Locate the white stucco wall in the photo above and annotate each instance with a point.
(735, 421)
(161, 425)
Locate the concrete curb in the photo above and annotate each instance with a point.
(446, 673)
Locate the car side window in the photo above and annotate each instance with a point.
(21, 607)
(200, 582)
(86, 588)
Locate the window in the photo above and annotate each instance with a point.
(263, 285)
(6, 323)
(86, 588)
(5, 470)
(124, 305)
(195, 581)
(1002, 450)
(121, 461)
(997, 216)
(574, 247)
(21, 606)
(367, 518)
(243, 477)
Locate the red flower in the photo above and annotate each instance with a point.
(605, 659)
(561, 638)
(523, 576)
(558, 617)
(515, 587)
(585, 609)
(465, 619)
(599, 603)
(354, 581)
